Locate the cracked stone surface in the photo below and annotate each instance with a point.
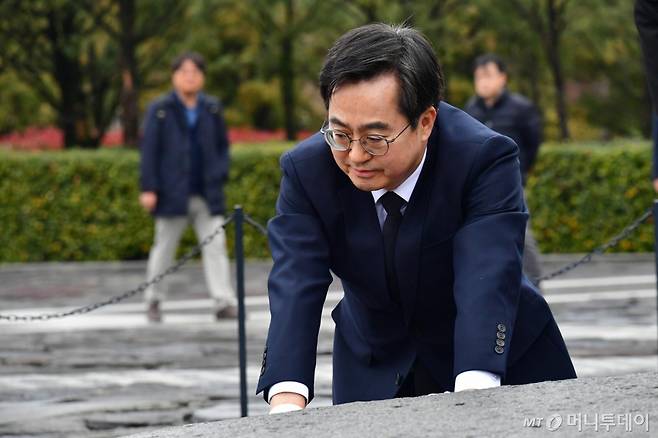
(500, 412)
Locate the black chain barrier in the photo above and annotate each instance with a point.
(603, 248)
(197, 250)
(131, 293)
(248, 219)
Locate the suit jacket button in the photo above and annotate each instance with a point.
(500, 342)
(500, 335)
(501, 328)
(398, 379)
(499, 349)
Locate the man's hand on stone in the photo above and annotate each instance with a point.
(287, 402)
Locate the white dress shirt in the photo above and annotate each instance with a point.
(473, 379)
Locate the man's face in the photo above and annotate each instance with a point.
(188, 79)
(371, 108)
(489, 81)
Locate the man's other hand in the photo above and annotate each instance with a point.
(287, 402)
(655, 185)
(148, 200)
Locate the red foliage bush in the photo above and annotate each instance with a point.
(52, 138)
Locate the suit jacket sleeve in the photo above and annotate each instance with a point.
(487, 252)
(150, 151)
(297, 286)
(646, 20)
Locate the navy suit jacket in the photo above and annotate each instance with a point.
(458, 260)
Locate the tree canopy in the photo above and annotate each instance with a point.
(83, 64)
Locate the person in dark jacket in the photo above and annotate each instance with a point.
(646, 20)
(516, 117)
(418, 209)
(184, 166)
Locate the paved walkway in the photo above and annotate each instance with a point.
(110, 373)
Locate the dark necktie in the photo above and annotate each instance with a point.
(392, 204)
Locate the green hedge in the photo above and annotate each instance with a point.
(581, 195)
(82, 205)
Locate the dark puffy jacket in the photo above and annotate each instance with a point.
(513, 116)
(165, 154)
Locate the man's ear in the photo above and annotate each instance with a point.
(426, 122)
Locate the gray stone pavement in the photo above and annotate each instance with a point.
(595, 406)
(110, 373)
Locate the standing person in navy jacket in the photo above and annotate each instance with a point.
(184, 166)
(418, 209)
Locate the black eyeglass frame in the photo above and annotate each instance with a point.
(362, 140)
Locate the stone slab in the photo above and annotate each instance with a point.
(509, 411)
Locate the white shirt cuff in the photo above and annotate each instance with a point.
(285, 407)
(288, 386)
(476, 379)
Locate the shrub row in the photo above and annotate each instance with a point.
(581, 195)
(82, 205)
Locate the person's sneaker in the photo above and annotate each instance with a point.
(153, 313)
(226, 312)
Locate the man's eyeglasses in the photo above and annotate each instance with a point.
(373, 144)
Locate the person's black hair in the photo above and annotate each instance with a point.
(374, 49)
(196, 58)
(490, 58)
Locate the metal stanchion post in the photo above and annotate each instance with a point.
(239, 264)
(655, 227)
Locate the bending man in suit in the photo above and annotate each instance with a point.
(419, 210)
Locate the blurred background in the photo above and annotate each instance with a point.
(76, 76)
(75, 79)
(82, 71)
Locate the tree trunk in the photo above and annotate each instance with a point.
(555, 62)
(128, 66)
(68, 76)
(530, 79)
(287, 73)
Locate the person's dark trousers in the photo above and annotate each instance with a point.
(419, 382)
